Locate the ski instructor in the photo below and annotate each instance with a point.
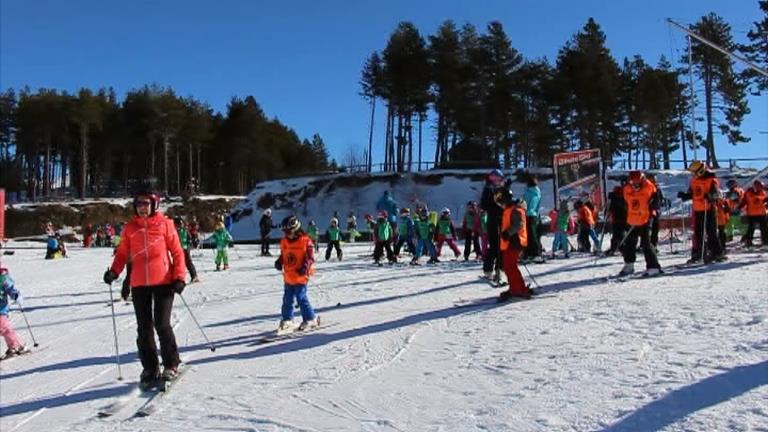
(157, 273)
(493, 184)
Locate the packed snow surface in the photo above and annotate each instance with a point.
(683, 352)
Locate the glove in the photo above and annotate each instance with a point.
(15, 297)
(303, 269)
(125, 292)
(231, 244)
(109, 276)
(278, 265)
(178, 286)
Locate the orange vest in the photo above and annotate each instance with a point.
(294, 254)
(754, 202)
(700, 188)
(585, 215)
(723, 213)
(638, 202)
(506, 222)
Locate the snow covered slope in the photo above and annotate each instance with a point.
(685, 352)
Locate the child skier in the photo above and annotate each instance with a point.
(296, 261)
(586, 227)
(352, 227)
(640, 196)
(425, 231)
(334, 240)
(383, 239)
(563, 223)
(446, 233)
(723, 210)
(405, 231)
(8, 290)
(184, 239)
(221, 240)
(514, 239)
(704, 190)
(313, 234)
(471, 229)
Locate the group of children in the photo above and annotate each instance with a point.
(419, 233)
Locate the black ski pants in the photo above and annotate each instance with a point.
(629, 249)
(491, 260)
(190, 265)
(264, 243)
(378, 251)
(336, 244)
(153, 306)
(759, 222)
(533, 249)
(472, 240)
(618, 231)
(705, 227)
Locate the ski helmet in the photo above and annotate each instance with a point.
(697, 167)
(731, 183)
(383, 214)
(445, 211)
(312, 223)
(290, 224)
(268, 212)
(178, 220)
(758, 185)
(334, 221)
(142, 196)
(636, 177)
(405, 211)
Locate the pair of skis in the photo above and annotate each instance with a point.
(149, 406)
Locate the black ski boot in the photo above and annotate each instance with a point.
(149, 379)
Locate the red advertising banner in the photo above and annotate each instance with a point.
(2, 214)
(579, 175)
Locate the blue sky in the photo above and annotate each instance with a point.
(302, 59)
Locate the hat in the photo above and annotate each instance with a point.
(697, 167)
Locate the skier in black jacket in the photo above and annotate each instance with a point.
(265, 226)
(493, 184)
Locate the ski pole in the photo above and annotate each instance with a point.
(533, 279)
(704, 235)
(28, 326)
(212, 347)
(114, 332)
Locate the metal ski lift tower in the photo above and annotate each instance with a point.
(690, 35)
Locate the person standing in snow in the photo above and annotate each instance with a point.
(514, 238)
(150, 241)
(387, 204)
(656, 213)
(617, 211)
(178, 221)
(471, 227)
(296, 261)
(221, 241)
(446, 233)
(314, 235)
(333, 233)
(266, 226)
(640, 196)
(586, 227)
(704, 191)
(754, 200)
(723, 209)
(493, 184)
(563, 224)
(8, 291)
(532, 197)
(383, 239)
(194, 232)
(425, 231)
(352, 227)
(405, 232)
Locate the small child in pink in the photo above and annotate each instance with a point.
(8, 290)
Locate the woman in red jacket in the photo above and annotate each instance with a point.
(157, 272)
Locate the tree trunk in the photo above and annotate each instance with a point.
(165, 162)
(410, 142)
(152, 157)
(83, 158)
(191, 164)
(420, 122)
(369, 162)
(440, 138)
(47, 168)
(178, 170)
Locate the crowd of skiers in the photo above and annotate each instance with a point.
(501, 230)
